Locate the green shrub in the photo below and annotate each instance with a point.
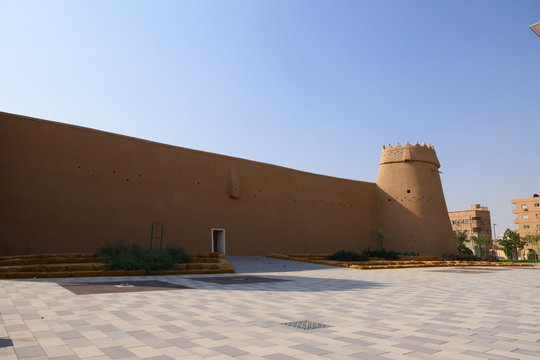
(119, 256)
(489, 258)
(460, 257)
(464, 250)
(347, 255)
(178, 254)
(409, 253)
(465, 257)
(381, 254)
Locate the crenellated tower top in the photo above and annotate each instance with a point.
(403, 153)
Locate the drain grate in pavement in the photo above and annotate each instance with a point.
(87, 288)
(306, 325)
(5, 342)
(231, 280)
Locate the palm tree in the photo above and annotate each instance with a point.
(533, 240)
(461, 238)
(479, 241)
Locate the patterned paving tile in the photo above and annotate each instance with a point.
(380, 314)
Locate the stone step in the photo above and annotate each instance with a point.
(88, 265)
(49, 260)
(53, 267)
(390, 264)
(97, 273)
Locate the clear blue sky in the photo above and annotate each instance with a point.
(318, 86)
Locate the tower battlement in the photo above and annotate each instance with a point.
(403, 153)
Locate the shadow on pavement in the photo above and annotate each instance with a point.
(278, 283)
(262, 264)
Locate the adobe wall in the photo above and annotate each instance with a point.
(65, 188)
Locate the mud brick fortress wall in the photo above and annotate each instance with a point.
(66, 188)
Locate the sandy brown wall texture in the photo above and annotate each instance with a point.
(411, 209)
(68, 189)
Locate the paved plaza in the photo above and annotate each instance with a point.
(332, 313)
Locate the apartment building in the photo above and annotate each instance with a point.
(476, 220)
(527, 212)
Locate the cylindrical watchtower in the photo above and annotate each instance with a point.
(411, 210)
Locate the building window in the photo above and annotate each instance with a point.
(536, 204)
(525, 216)
(524, 206)
(526, 227)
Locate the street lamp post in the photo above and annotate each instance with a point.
(494, 240)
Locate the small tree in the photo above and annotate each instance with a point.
(512, 242)
(479, 242)
(461, 238)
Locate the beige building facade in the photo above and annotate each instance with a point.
(476, 220)
(66, 188)
(527, 211)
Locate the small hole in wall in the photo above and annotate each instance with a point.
(389, 199)
(127, 179)
(78, 167)
(408, 191)
(139, 175)
(92, 175)
(114, 171)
